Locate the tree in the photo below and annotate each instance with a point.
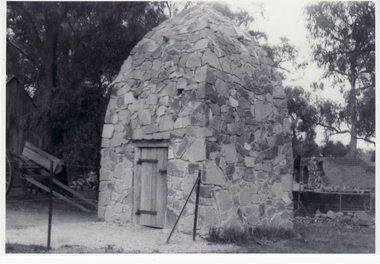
(175, 7)
(284, 56)
(344, 34)
(241, 18)
(68, 53)
(303, 122)
(334, 149)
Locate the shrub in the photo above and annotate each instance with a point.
(227, 235)
(247, 235)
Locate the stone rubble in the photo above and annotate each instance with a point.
(206, 87)
(347, 219)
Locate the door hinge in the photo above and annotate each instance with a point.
(138, 212)
(147, 160)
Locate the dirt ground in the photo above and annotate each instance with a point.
(74, 231)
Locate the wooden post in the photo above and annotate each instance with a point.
(50, 204)
(196, 206)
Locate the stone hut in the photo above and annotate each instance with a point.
(197, 94)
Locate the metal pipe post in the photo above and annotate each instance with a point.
(196, 206)
(180, 214)
(50, 204)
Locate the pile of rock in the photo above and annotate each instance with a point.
(346, 219)
(337, 188)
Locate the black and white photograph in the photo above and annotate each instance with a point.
(241, 128)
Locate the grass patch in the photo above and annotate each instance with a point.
(272, 233)
(258, 235)
(112, 249)
(223, 236)
(14, 248)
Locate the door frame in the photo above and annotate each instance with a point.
(136, 190)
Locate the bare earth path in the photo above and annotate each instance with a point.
(74, 231)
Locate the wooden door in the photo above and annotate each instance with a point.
(153, 186)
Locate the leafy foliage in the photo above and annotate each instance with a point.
(303, 115)
(68, 53)
(344, 34)
(175, 7)
(334, 149)
(241, 18)
(284, 56)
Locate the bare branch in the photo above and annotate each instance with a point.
(369, 141)
(187, 5)
(279, 67)
(336, 130)
(364, 88)
(169, 7)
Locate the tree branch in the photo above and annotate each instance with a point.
(186, 5)
(369, 141)
(169, 7)
(364, 88)
(336, 130)
(333, 36)
(25, 54)
(341, 73)
(349, 52)
(281, 68)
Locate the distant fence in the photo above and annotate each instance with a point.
(337, 202)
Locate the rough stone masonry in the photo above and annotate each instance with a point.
(207, 88)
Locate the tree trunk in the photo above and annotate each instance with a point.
(353, 118)
(48, 80)
(353, 142)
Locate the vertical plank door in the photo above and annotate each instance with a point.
(153, 187)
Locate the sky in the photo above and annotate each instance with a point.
(286, 19)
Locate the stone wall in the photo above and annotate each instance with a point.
(348, 172)
(339, 174)
(206, 88)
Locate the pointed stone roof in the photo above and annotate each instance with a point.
(193, 44)
(198, 50)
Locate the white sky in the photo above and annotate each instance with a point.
(285, 19)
